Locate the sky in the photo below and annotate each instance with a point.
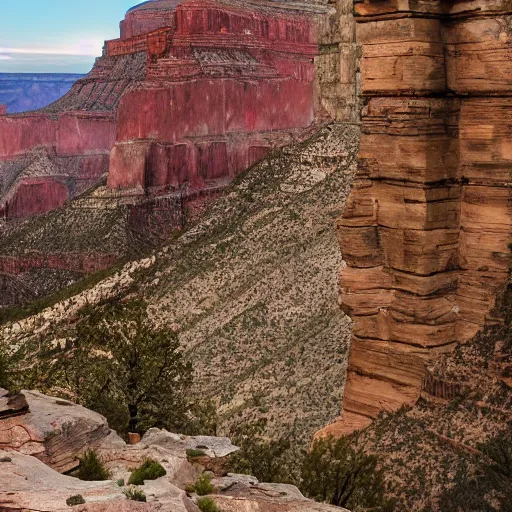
(56, 36)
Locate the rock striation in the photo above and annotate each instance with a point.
(55, 431)
(426, 230)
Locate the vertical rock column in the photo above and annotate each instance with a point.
(426, 229)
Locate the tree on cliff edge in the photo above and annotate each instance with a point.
(118, 363)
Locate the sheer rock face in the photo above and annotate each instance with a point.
(427, 226)
(193, 91)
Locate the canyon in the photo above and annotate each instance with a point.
(20, 92)
(388, 118)
(252, 65)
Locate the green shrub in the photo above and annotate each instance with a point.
(207, 505)
(193, 453)
(120, 482)
(202, 486)
(265, 459)
(149, 470)
(72, 501)
(91, 468)
(335, 472)
(135, 494)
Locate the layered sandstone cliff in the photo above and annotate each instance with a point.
(426, 231)
(192, 93)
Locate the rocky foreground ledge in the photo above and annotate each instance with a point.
(42, 437)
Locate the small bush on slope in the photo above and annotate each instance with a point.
(149, 470)
(91, 468)
(202, 486)
(77, 499)
(207, 505)
(135, 494)
(265, 459)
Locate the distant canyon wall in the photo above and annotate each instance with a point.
(427, 228)
(21, 92)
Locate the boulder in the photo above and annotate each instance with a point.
(241, 493)
(211, 446)
(212, 453)
(55, 431)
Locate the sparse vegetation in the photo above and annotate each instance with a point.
(72, 501)
(135, 494)
(193, 453)
(335, 472)
(202, 486)
(92, 468)
(207, 505)
(149, 470)
(490, 488)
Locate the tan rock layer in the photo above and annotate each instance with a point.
(426, 231)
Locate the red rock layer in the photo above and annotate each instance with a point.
(193, 91)
(226, 81)
(426, 231)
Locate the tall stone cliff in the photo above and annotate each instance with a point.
(428, 224)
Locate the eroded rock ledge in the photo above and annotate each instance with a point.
(426, 231)
(41, 437)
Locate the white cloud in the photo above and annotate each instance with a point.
(85, 47)
(5, 57)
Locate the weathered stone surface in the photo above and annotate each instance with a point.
(240, 493)
(212, 446)
(27, 484)
(55, 431)
(427, 229)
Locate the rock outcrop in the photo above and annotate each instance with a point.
(237, 493)
(426, 231)
(55, 431)
(28, 484)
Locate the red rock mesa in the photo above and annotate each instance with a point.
(194, 91)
